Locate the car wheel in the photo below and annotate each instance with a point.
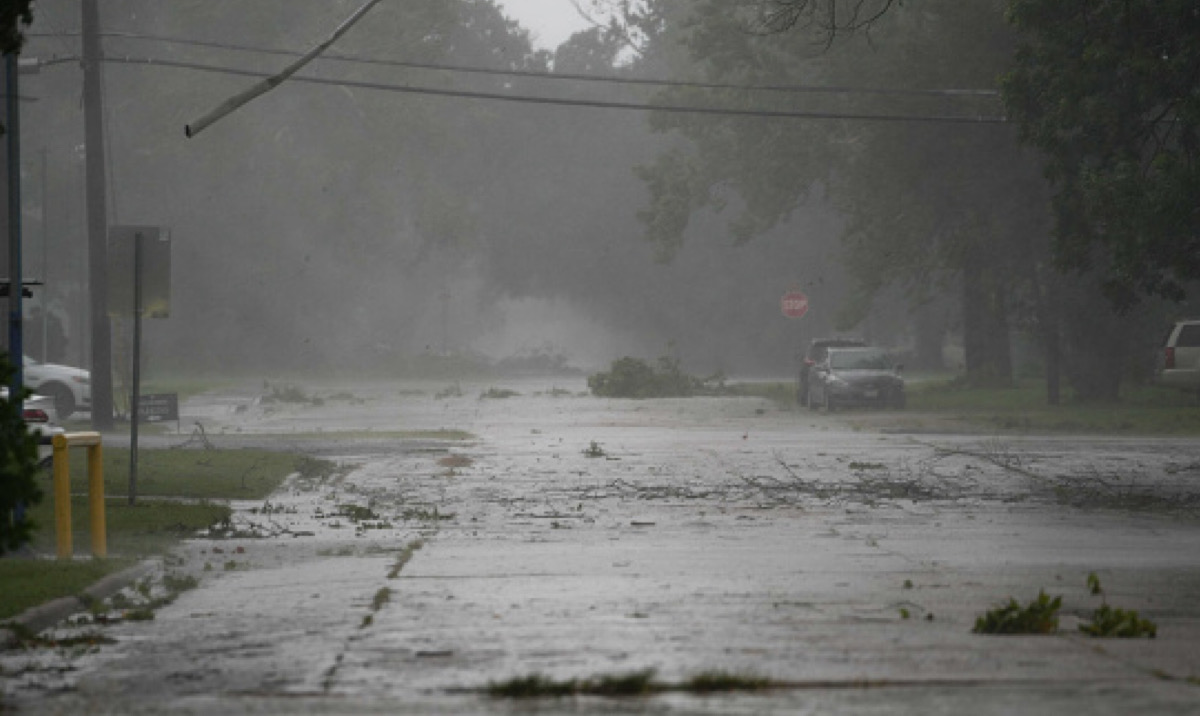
(64, 399)
(899, 400)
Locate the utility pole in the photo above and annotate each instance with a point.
(12, 104)
(97, 220)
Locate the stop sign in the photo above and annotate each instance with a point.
(795, 304)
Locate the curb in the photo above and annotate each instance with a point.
(39, 618)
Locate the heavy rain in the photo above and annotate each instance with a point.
(595, 356)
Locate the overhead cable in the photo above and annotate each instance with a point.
(558, 76)
(569, 102)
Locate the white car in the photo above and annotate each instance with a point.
(1181, 357)
(39, 415)
(69, 388)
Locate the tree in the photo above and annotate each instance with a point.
(18, 469)
(826, 18)
(1109, 91)
(927, 206)
(18, 449)
(15, 15)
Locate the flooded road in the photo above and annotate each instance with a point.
(475, 536)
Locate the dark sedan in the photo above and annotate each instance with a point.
(856, 376)
(816, 354)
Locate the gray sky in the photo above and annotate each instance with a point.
(550, 21)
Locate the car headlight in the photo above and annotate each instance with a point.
(837, 382)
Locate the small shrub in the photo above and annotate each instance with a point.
(713, 681)
(635, 378)
(632, 684)
(1039, 617)
(531, 687)
(1117, 623)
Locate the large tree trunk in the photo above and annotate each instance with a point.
(1095, 341)
(988, 354)
(930, 325)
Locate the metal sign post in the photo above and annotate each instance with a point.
(138, 238)
(145, 253)
(794, 305)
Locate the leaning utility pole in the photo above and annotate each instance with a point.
(97, 220)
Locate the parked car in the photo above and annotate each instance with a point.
(39, 415)
(69, 388)
(1181, 356)
(816, 354)
(856, 376)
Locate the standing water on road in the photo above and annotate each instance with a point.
(487, 534)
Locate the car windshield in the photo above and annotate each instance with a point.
(865, 359)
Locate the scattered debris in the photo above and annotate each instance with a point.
(1116, 623)
(1040, 616)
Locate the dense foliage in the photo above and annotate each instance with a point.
(18, 468)
(930, 205)
(1109, 91)
(947, 225)
(15, 15)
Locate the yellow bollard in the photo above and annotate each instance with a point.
(62, 496)
(62, 491)
(96, 499)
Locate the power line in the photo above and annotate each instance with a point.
(551, 76)
(566, 102)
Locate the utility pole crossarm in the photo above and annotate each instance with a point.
(231, 104)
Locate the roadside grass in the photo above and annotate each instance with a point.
(198, 474)
(25, 583)
(1152, 410)
(179, 492)
(151, 526)
(782, 394)
(936, 400)
(446, 434)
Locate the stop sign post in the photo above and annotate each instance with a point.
(794, 304)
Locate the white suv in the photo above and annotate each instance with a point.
(70, 388)
(1181, 359)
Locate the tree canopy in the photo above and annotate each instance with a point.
(1109, 91)
(15, 15)
(18, 469)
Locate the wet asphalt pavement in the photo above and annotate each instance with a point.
(579, 538)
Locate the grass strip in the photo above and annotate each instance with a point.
(247, 474)
(935, 401)
(26, 583)
(179, 493)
